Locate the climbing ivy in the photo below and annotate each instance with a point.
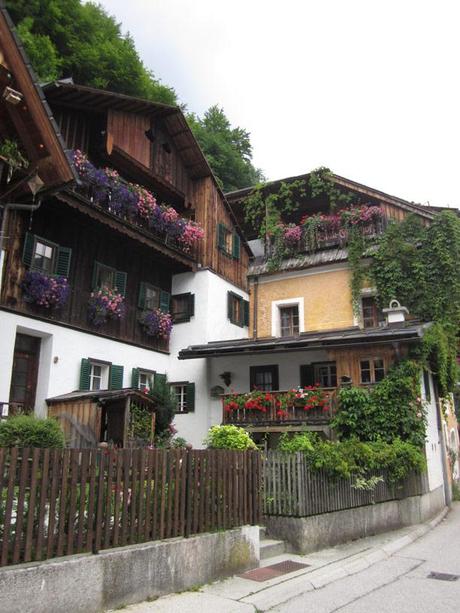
(321, 184)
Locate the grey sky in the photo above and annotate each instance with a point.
(369, 89)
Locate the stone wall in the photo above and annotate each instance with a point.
(92, 583)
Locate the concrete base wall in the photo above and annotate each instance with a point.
(307, 534)
(92, 583)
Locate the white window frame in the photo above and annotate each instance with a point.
(150, 379)
(104, 376)
(182, 401)
(371, 360)
(276, 314)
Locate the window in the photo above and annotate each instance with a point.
(426, 385)
(98, 376)
(145, 380)
(264, 378)
(372, 314)
(45, 256)
(326, 374)
(106, 276)
(183, 307)
(184, 396)
(228, 242)
(152, 297)
(289, 320)
(372, 370)
(237, 309)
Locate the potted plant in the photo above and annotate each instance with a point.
(156, 323)
(12, 156)
(45, 291)
(105, 304)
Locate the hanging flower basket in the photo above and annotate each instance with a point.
(105, 304)
(45, 291)
(156, 323)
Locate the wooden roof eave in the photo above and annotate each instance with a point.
(61, 171)
(78, 202)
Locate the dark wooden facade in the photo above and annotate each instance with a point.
(90, 242)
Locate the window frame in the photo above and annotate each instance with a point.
(148, 373)
(378, 319)
(372, 369)
(276, 314)
(104, 376)
(317, 376)
(292, 325)
(98, 266)
(184, 396)
(243, 320)
(273, 368)
(46, 243)
(151, 286)
(189, 311)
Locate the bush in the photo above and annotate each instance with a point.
(28, 431)
(229, 437)
(352, 457)
(165, 406)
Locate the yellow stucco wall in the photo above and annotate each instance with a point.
(327, 300)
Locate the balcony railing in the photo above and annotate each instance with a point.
(101, 199)
(293, 411)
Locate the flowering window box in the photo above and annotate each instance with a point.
(46, 291)
(105, 304)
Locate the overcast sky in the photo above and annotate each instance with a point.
(369, 89)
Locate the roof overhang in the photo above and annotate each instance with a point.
(349, 337)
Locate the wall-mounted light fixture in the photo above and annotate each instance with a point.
(12, 95)
(226, 377)
(150, 135)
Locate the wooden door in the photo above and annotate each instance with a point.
(24, 375)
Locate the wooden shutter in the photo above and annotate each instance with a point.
(85, 370)
(191, 305)
(236, 246)
(159, 378)
(120, 281)
(245, 313)
(221, 229)
(28, 250)
(307, 375)
(230, 306)
(94, 280)
(116, 377)
(135, 378)
(64, 255)
(165, 299)
(190, 397)
(141, 297)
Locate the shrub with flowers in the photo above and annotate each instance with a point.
(156, 323)
(311, 397)
(136, 203)
(104, 304)
(256, 400)
(45, 291)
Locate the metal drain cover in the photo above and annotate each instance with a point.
(275, 570)
(443, 576)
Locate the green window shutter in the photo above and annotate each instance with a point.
(245, 313)
(159, 380)
(191, 305)
(190, 397)
(120, 281)
(135, 378)
(221, 236)
(85, 370)
(236, 246)
(28, 250)
(165, 299)
(141, 297)
(307, 375)
(229, 306)
(64, 255)
(116, 377)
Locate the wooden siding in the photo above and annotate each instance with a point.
(75, 128)
(90, 242)
(80, 421)
(127, 131)
(209, 212)
(348, 359)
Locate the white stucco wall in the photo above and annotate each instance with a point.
(210, 323)
(60, 357)
(433, 446)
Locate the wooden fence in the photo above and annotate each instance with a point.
(61, 502)
(291, 488)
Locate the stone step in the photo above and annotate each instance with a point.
(262, 532)
(270, 548)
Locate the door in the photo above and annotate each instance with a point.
(24, 375)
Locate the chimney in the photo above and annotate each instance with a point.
(395, 314)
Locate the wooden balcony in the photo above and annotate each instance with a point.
(294, 413)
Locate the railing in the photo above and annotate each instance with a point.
(101, 199)
(294, 413)
(56, 502)
(292, 488)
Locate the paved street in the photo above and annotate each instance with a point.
(399, 584)
(385, 573)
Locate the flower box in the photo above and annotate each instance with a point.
(47, 291)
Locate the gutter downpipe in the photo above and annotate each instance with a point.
(254, 318)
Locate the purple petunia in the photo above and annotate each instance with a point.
(45, 291)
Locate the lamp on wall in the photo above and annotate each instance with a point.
(12, 95)
(226, 377)
(150, 135)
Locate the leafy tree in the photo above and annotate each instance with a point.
(228, 150)
(65, 38)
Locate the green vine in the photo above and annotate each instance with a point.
(322, 184)
(356, 249)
